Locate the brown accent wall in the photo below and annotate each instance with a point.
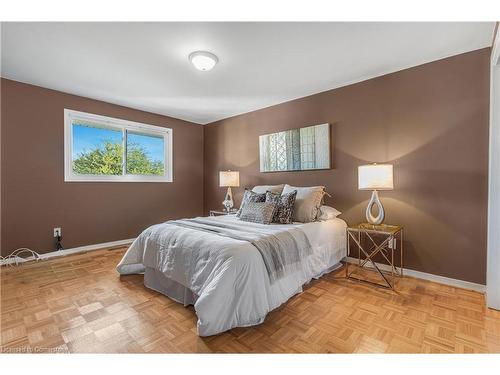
(35, 198)
(431, 121)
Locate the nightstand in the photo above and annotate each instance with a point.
(220, 213)
(371, 240)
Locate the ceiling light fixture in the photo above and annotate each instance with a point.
(203, 60)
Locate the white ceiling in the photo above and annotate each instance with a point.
(145, 65)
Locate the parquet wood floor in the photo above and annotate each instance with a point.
(79, 303)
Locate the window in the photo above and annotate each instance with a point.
(99, 148)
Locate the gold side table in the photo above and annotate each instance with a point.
(221, 213)
(392, 242)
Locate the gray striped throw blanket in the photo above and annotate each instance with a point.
(282, 252)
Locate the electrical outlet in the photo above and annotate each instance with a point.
(57, 232)
(392, 244)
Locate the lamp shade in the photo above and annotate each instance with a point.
(229, 178)
(375, 177)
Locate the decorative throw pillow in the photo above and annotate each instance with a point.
(258, 212)
(276, 189)
(250, 196)
(327, 213)
(307, 202)
(284, 206)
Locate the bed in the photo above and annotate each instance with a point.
(211, 263)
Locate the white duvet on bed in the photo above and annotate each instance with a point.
(229, 276)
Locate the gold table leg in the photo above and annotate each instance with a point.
(369, 258)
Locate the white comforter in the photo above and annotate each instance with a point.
(228, 275)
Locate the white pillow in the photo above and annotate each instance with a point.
(275, 189)
(307, 202)
(327, 213)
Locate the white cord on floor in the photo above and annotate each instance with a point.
(14, 258)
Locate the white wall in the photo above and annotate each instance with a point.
(493, 271)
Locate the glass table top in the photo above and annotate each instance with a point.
(376, 228)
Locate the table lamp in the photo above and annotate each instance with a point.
(229, 179)
(375, 177)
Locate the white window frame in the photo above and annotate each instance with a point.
(124, 125)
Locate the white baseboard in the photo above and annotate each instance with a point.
(431, 277)
(75, 250)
